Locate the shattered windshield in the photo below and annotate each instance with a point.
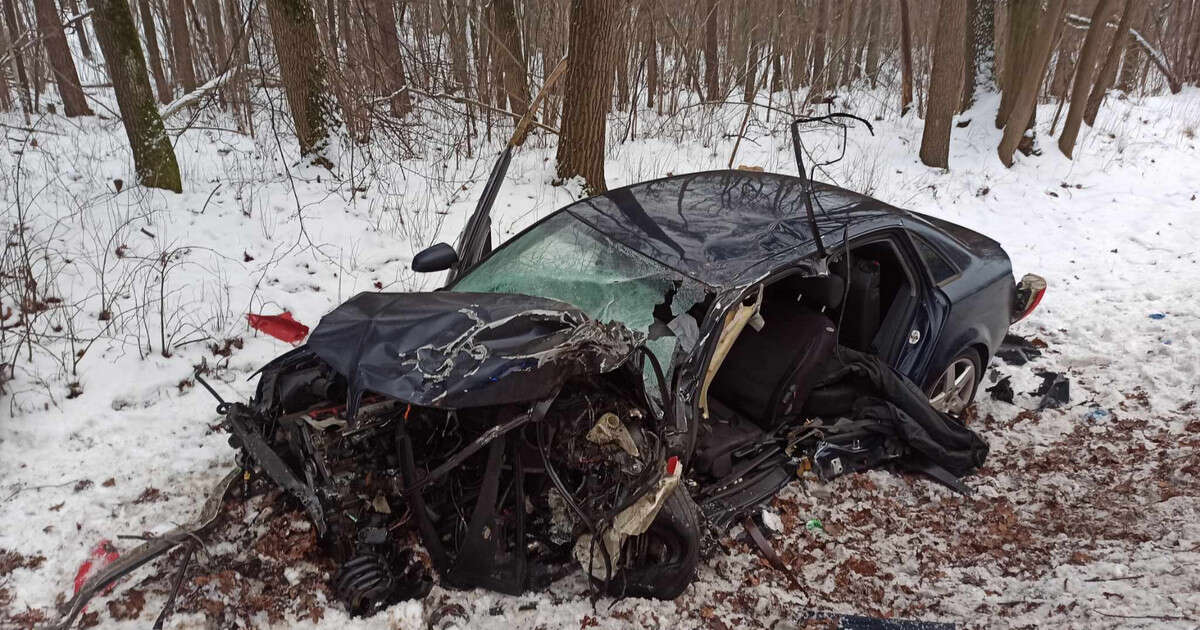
(564, 259)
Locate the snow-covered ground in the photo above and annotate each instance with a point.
(1085, 516)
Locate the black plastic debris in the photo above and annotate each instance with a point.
(1054, 392)
(1002, 390)
(1017, 350)
(882, 402)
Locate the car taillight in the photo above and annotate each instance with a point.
(1030, 291)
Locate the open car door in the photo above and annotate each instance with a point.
(475, 242)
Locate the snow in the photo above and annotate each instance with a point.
(1077, 521)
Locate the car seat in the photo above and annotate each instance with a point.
(862, 308)
(769, 372)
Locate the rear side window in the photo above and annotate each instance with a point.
(938, 266)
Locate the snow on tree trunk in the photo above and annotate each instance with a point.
(979, 62)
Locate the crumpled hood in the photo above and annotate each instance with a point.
(457, 350)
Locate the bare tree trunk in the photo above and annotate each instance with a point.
(1025, 99)
(800, 49)
(711, 68)
(63, 66)
(1108, 71)
(591, 56)
(239, 56)
(302, 70)
(6, 102)
(512, 56)
(981, 49)
(153, 157)
(1064, 65)
(483, 80)
(906, 70)
(874, 38)
(216, 35)
(945, 83)
(181, 45)
(750, 66)
(843, 43)
(85, 48)
(818, 77)
(623, 51)
(1129, 66)
(650, 46)
(495, 53)
(389, 52)
(156, 63)
(1085, 77)
(1018, 53)
(1193, 63)
(458, 49)
(15, 40)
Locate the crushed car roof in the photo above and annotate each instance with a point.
(727, 228)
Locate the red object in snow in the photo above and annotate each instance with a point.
(104, 554)
(282, 327)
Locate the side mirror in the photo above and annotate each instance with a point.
(438, 257)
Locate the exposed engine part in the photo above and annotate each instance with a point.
(632, 521)
(479, 486)
(609, 430)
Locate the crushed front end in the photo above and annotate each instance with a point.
(511, 436)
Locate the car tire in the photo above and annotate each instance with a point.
(953, 388)
(665, 574)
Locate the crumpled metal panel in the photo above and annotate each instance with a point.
(458, 350)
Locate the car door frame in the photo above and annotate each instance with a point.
(928, 311)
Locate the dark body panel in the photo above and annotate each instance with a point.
(728, 228)
(456, 350)
(980, 296)
(732, 229)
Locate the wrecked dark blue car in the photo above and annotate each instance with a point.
(627, 378)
